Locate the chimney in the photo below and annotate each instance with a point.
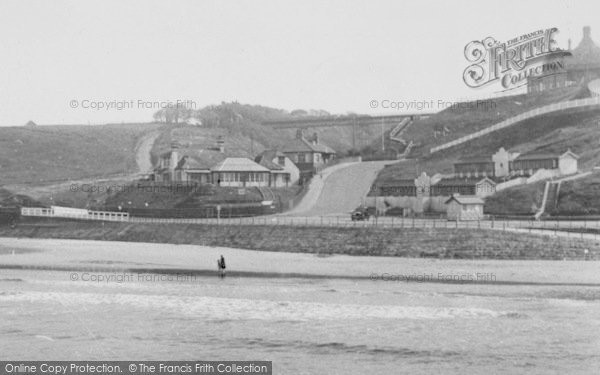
(569, 44)
(174, 159)
(299, 134)
(221, 144)
(587, 32)
(315, 139)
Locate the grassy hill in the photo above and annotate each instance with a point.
(575, 129)
(468, 117)
(519, 200)
(578, 197)
(46, 154)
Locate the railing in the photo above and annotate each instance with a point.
(90, 215)
(594, 88)
(573, 227)
(523, 116)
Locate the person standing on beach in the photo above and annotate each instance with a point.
(221, 266)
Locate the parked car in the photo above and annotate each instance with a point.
(360, 214)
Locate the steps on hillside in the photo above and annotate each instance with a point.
(542, 208)
(552, 198)
(396, 133)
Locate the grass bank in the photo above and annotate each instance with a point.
(408, 242)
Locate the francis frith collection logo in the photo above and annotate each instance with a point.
(511, 63)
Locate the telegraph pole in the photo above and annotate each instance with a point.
(382, 136)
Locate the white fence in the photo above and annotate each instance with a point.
(523, 116)
(81, 215)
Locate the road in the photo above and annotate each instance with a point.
(142, 152)
(340, 189)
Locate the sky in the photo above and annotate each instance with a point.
(62, 60)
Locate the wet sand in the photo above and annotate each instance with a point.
(103, 256)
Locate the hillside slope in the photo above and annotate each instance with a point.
(578, 130)
(46, 154)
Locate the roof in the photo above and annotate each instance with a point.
(397, 183)
(472, 181)
(166, 154)
(269, 154)
(188, 162)
(465, 199)
(302, 145)
(266, 159)
(545, 156)
(270, 165)
(586, 53)
(238, 165)
(537, 156)
(476, 159)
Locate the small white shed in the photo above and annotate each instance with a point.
(464, 207)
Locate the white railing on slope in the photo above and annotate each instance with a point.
(523, 116)
(396, 132)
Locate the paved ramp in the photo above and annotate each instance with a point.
(341, 190)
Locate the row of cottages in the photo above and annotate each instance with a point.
(271, 169)
(505, 164)
(308, 155)
(427, 193)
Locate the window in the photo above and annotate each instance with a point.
(301, 158)
(281, 160)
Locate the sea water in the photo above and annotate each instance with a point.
(305, 326)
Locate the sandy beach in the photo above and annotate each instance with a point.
(113, 256)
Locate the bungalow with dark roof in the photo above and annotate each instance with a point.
(308, 156)
(190, 169)
(460, 207)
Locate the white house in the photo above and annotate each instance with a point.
(284, 171)
(240, 172)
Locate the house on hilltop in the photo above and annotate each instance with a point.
(581, 67)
